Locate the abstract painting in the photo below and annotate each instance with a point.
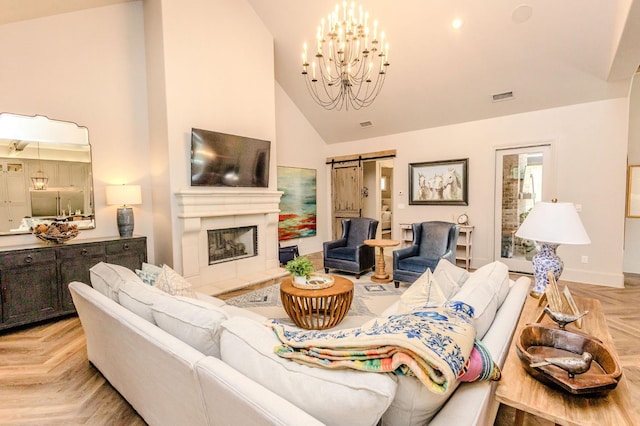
(298, 203)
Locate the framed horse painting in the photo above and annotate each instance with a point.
(439, 183)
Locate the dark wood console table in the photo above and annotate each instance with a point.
(34, 277)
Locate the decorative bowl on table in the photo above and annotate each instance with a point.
(316, 281)
(55, 232)
(538, 343)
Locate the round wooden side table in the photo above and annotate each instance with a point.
(380, 275)
(317, 309)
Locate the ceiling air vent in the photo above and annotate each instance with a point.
(366, 124)
(502, 97)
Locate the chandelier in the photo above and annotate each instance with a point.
(350, 63)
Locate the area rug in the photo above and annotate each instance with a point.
(369, 300)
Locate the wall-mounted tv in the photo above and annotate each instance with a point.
(220, 159)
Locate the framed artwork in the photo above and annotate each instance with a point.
(297, 204)
(439, 183)
(633, 191)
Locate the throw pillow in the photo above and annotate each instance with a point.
(479, 366)
(107, 278)
(173, 283)
(450, 277)
(425, 291)
(485, 290)
(194, 322)
(149, 273)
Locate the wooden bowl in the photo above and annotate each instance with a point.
(56, 232)
(537, 342)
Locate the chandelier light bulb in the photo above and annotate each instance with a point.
(345, 57)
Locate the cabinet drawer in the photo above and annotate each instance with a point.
(120, 247)
(85, 250)
(26, 258)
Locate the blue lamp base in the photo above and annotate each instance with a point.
(546, 260)
(125, 221)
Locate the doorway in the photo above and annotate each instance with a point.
(357, 183)
(522, 180)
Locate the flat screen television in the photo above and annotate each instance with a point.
(220, 159)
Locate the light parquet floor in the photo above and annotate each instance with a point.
(46, 379)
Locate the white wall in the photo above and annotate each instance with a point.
(214, 69)
(632, 225)
(299, 145)
(87, 67)
(590, 146)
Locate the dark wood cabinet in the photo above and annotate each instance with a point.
(34, 279)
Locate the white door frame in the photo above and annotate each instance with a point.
(520, 264)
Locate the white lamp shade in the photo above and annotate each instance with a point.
(557, 223)
(124, 195)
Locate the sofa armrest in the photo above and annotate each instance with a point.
(475, 403)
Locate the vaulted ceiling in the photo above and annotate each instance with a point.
(548, 53)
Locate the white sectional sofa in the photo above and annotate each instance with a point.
(198, 361)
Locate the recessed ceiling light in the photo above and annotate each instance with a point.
(457, 23)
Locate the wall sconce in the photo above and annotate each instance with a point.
(383, 183)
(124, 196)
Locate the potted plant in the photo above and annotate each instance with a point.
(301, 268)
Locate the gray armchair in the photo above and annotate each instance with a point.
(349, 253)
(432, 241)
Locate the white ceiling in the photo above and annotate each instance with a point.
(567, 52)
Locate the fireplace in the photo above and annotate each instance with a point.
(249, 219)
(230, 244)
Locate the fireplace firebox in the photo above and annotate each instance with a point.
(230, 244)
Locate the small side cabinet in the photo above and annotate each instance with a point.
(34, 278)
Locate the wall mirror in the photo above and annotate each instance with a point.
(45, 173)
(633, 191)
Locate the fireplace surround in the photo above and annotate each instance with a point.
(203, 209)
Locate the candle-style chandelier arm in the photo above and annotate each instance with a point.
(350, 62)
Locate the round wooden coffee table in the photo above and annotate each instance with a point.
(380, 275)
(317, 309)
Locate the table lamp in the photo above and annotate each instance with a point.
(124, 196)
(551, 224)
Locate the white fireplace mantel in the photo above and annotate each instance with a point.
(211, 202)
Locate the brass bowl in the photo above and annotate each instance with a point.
(537, 342)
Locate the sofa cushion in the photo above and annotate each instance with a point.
(343, 253)
(485, 290)
(332, 396)
(139, 298)
(194, 322)
(107, 278)
(450, 277)
(173, 283)
(414, 404)
(417, 264)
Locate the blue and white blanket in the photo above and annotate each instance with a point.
(432, 343)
